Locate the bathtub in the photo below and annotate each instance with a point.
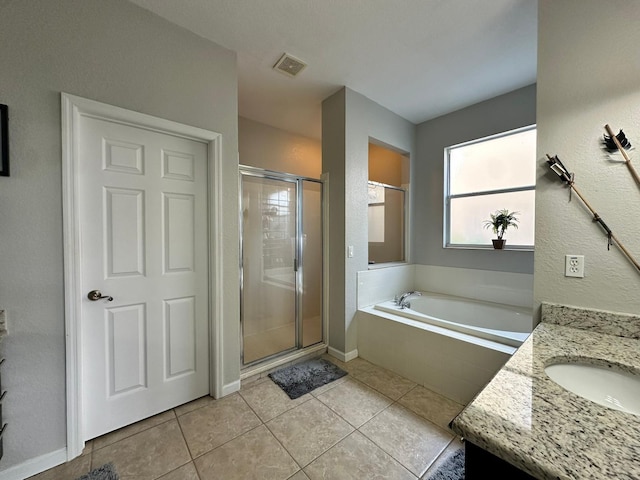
(499, 323)
(450, 345)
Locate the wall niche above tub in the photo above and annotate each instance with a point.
(388, 200)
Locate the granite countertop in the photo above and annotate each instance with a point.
(528, 420)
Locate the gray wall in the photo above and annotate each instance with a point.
(506, 112)
(271, 148)
(333, 162)
(349, 122)
(117, 53)
(583, 85)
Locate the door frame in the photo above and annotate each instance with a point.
(73, 109)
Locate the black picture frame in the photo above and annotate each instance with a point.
(4, 141)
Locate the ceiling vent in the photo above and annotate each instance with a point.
(289, 65)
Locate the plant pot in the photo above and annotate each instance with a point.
(498, 243)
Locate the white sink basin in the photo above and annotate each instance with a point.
(604, 385)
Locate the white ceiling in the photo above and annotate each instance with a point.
(419, 58)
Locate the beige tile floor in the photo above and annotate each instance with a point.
(370, 424)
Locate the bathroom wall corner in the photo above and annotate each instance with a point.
(379, 285)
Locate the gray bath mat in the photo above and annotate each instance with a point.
(451, 469)
(105, 472)
(301, 378)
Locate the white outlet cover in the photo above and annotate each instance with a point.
(574, 266)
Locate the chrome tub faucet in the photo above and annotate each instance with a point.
(401, 300)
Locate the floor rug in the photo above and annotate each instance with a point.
(451, 469)
(301, 378)
(105, 472)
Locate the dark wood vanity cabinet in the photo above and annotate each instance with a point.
(480, 465)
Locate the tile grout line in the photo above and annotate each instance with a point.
(282, 445)
(388, 453)
(184, 439)
(440, 455)
(285, 448)
(355, 429)
(349, 423)
(377, 390)
(393, 402)
(213, 400)
(447, 430)
(178, 468)
(262, 423)
(312, 397)
(397, 402)
(331, 447)
(271, 432)
(222, 444)
(94, 449)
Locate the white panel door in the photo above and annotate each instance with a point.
(143, 214)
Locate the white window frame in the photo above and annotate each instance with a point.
(447, 196)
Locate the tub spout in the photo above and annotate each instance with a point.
(402, 299)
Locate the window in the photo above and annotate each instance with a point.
(486, 175)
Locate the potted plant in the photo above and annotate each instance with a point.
(499, 222)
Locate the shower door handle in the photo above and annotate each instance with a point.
(295, 264)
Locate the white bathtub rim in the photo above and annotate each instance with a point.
(514, 339)
(464, 337)
(506, 306)
(502, 317)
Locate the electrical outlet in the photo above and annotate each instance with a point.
(574, 266)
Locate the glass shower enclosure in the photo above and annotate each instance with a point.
(281, 264)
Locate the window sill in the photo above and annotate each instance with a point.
(376, 266)
(488, 247)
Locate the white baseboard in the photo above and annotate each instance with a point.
(345, 357)
(351, 355)
(230, 388)
(34, 466)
